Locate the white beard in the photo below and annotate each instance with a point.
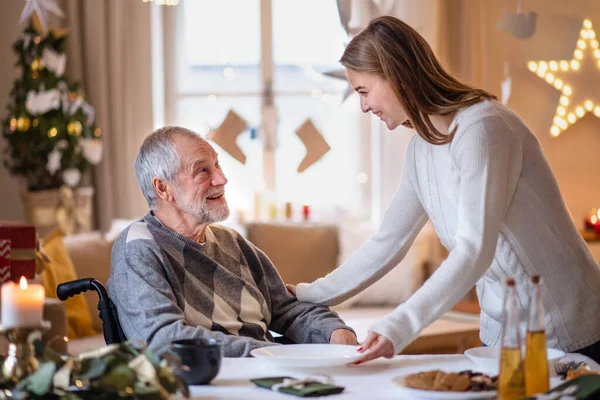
(201, 210)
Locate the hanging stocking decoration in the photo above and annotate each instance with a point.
(316, 146)
(226, 135)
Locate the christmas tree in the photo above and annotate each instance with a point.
(50, 130)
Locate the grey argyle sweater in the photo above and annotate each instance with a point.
(166, 286)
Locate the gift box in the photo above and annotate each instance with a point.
(4, 260)
(22, 246)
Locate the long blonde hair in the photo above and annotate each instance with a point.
(393, 50)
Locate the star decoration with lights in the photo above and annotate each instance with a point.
(41, 8)
(578, 80)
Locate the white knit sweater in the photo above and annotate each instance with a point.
(497, 208)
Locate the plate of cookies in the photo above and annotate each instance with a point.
(436, 384)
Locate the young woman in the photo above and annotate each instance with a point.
(479, 174)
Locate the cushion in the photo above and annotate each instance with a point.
(301, 252)
(90, 253)
(59, 270)
(398, 284)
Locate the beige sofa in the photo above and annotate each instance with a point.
(301, 252)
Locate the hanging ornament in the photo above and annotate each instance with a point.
(226, 135)
(52, 132)
(506, 85)
(23, 124)
(316, 146)
(576, 79)
(37, 64)
(41, 9)
(35, 123)
(74, 128)
(518, 24)
(89, 112)
(13, 124)
(71, 177)
(42, 101)
(92, 150)
(54, 160)
(54, 62)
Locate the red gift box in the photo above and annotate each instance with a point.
(22, 248)
(4, 260)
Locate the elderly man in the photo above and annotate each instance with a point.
(174, 275)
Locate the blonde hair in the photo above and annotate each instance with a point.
(393, 50)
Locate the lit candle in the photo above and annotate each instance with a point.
(22, 304)
(592, 219)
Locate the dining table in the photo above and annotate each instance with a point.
(376, 379)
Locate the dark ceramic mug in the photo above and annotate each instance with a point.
(200, 359)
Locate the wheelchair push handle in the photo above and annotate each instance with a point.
(70, 289)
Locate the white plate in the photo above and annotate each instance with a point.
(432, 394)
(308, 355)
(487, 359)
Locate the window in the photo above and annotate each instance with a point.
(221, 50)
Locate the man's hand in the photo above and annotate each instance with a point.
(375, 346)
(291, 289)
(343, 336)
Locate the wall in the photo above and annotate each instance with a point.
(10, 203)
(575, 154)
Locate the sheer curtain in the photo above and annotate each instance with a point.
(109, 51)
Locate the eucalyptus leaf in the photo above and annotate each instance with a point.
(40, 382)
(92, 368)
(119, 378)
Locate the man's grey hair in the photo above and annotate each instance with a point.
(158, 157)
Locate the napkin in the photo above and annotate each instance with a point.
(297, 387)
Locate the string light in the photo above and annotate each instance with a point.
(550, 71)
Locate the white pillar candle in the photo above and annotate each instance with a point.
(22, 304)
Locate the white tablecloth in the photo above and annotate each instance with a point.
(371, 380)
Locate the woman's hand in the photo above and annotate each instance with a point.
(375, 346)
(291, 289)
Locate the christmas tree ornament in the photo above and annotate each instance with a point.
(35, 123)
(226, 135)
(36, 64)
(35, 75)
(92, 150)
(41, 8)
(576, 79)
(316, 146)
(74, 128)
(97, 132)
(41, 102)
(52, 132)
(54, 161)
(23, 124)
(13, 124)
(37, 40)
(54, 62)
(71, 177)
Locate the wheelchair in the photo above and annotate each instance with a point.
(113, 333)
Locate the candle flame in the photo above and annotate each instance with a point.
(23, 283)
